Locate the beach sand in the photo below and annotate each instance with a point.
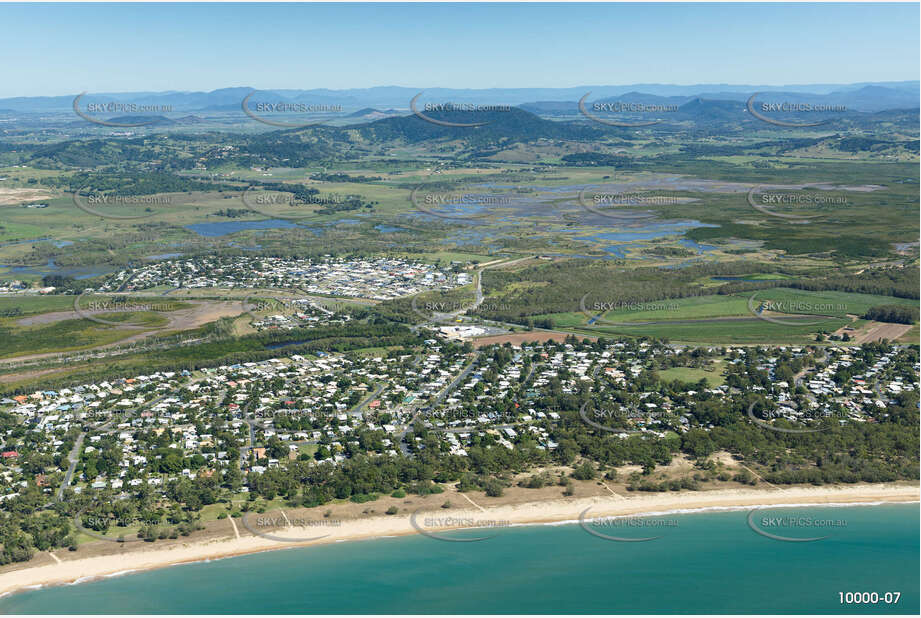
(65, 569)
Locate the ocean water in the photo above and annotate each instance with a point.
(708, 562)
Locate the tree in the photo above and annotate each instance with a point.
(584, 472)
(493, 488)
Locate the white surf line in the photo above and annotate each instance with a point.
(472, 502)
(56, 559)
(234, 524)
(613, 493)
(287, 521)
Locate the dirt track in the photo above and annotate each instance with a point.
(199, 314)
(28, 375)
(875, 331)
(13, 196)
(519, 338)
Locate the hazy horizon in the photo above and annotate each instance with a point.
(195, 47)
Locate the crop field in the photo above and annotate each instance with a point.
(742, 332)
(728, 318)
(703, 236)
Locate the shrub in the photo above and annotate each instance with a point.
(584, 472)
(493, 488)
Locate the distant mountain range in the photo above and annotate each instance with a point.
(362, 102)
(498, 133)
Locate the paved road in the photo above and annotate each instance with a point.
(438, 399)
(244, 450)
(798, 378)
(468, 429)
(358, 408)
(479, 297)
(74, 457)
(479, 281)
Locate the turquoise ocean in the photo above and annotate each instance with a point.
(705, 562)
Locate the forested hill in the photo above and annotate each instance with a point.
(513, 125)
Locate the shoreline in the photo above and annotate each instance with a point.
(556, 512)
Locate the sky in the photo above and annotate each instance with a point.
(62, 49)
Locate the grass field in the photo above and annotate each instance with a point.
(826, 302)
(732, 322)
(913, 336)
(19, 231)
(447, 256)
(752, 331)
(713, 375)
(68, 335)
(35, 304)
(63, 333)
(783, 300)
(730, 212)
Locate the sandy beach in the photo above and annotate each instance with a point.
(65, 569)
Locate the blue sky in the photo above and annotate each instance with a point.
(66, 48)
